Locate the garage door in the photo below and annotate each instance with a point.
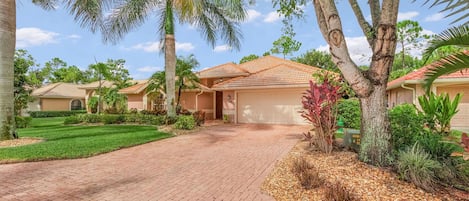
(270, 107)
(461, 119)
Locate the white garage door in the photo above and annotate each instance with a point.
(461, 119)
(270, 107)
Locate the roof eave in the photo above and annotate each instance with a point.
(262, 87)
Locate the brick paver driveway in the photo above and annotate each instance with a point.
(226, 162)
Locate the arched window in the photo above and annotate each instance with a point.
(75, 105)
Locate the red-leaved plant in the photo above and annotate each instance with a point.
(465, 145)
(319, 103)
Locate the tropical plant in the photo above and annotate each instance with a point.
(319, 103)
(185, 122)
(438, 110)
(454, 36)
(209, 16)
(186, 78)
(369, 85)
(453, 7)
(406, 126)
(417, 166)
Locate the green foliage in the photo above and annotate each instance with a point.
(112, 119)
(286, 45)
(93, 104)
(42, 114)
(66, 142)
(23, 61)
(406, 126)
(418, 167)
(72, 120)
(23, 122)
(438, 111)
(349, 111)
(318, 59)
(399, 73)
(436, 146)
(248, 58)
(90, 118)
(185, 122)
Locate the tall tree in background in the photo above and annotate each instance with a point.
(209, 16)
(248, 58)
(318, 59)
(7, 52)
(368, 85)
(286, 44)
(22, 84)
(409, 33)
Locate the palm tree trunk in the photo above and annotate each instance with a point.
(181, 84)
(7, 51)
(170, 59)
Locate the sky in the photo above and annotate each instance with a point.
(49, 34)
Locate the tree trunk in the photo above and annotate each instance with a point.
(375, 133)
(170, 71)
(181, 84)
(7, 51)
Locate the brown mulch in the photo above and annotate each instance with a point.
(19, 142)
(363, 181)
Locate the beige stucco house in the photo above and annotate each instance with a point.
(58, 97)
(408, 88)
(266, 90)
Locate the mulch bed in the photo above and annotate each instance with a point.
(363, 181)
(19, 142)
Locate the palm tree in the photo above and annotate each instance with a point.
(209, 16)
(455, 36)
(7, 52)
(186, 78)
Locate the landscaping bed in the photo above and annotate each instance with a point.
(362, 181)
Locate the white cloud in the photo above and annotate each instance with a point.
(74, 36)
(407, 15)
(252, 15)
(222, 48)
(32, 36)
(155, 47)
(358, 47)
(434, 18)
(272, 17)
(149, 69)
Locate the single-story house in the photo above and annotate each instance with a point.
(408, 88)
(266, 90)
(58, 97)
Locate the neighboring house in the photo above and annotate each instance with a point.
(408, 88)
(266, 90)
(58, 97)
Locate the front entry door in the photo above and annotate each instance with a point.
(219, 105)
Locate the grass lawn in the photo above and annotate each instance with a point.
(65, 142)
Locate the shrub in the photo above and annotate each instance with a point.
(406, 125)
(417, 166)
(23, 122)
(185, 122)
(153, 112)
(113, 110)
(306, 173)
(168, 120)
(435, 145)
(72, 120)
(199, 117)
(319, 103)
(112, 119)
(337, 192)
(349, 111)
(90, 118)
(43, 114)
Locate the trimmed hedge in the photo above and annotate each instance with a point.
(23, 122)
(43, 114)
(120, 118)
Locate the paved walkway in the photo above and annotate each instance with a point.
(226, 162)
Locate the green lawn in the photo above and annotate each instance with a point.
(64, 142)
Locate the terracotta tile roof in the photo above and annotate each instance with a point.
(418, 75)
(60, 90)
(223, 70)
(95, 85)
(134, 89)
(267, 62)
(285, 74)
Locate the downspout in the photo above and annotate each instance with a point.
(413, 92)
(197, 100)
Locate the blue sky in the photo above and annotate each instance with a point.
(49, 34)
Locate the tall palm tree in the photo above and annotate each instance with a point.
(7, 51)
(209, 16)
(455, 36)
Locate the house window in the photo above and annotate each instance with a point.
(158, 102)
(75, 105)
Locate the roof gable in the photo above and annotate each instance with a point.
(60, 90)
(223, 70)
